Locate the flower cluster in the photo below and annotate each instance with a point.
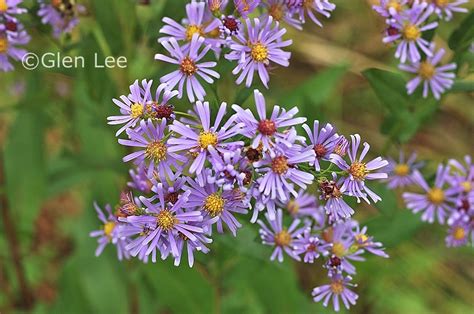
(62, 15)
(448, 200)
(408, 26)
(255, 45)
(198, 174)
(12, 33)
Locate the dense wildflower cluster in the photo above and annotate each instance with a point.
(254, 44)
(409, 24)
(62, 15)
(449, 199)
(199, 174)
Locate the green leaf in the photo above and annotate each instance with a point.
(389, 88)
(462, 37)
(462, 87)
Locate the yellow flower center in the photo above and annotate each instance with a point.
(109, 226)
(165, 220)
(411, 32)
(207, 138)
(402, 170)
(459, 233)
(280, 165)
(156, 151)
(3, 5)
(276, 12)
(337, 287)
(259, 52)
(358, 170)
(136, 110)
(441, 3)
(188, 66)
(3, 44)
(427, 70)
(466, 186)
(282, 238)
(436, 196)
(395, 4)
(193, 29)
(214, 204)
(338, 249)
(293, 207)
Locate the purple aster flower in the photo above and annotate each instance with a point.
(154, 152)
(407, 28)
(189, 67)
(171, 190)
(245, 7)
(359, 171)
(266, 131)
(166, 222)
(400, 172)
(216, 205)
(310, 7)
(196, 22)
(458, 233)
(230, 26)
(196, 141)
(338, 288)
(216, 6)
(256, 48)
(332, 192)
(388, 8)
(366, 242)
(342, 144)
(437, 78)
(281, 168)
(435, 201)
(344, 246)
(301, 205)
(311, 246)
(139, 105)
(9, 8)
(279, 237)
(109, 233)
(323, 141)
(280, 12)
(8, 42)
(446, 8)
(62, 15)
(462, 176)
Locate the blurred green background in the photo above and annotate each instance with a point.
(59, 155)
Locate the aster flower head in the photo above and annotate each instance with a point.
(281, 12)
(462, 176)
(388, 8)
(337, 289)
(446, 8)
(435, 201)
(62, 15)
(365, 242)
(323, 141)
(139, 179)
(280, 168)
(154, 152)
(230, 26)
(458, 233)
(196, 141)
(438, 79)
(311, 8)
(245, 7)
(197, 22)
(400, 172)
(265, 131)
(218, 206)
(140, 105)
(189, 67)
(310, 246)
(359, 171)
(332, 192)
(109, 233)
(281, 238)
(302, 205)
(256, 49)
(164, 223)
(407, 29)
(9, 42)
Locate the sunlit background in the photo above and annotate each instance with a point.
(59, 155)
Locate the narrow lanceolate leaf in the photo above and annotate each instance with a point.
(462, 37)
